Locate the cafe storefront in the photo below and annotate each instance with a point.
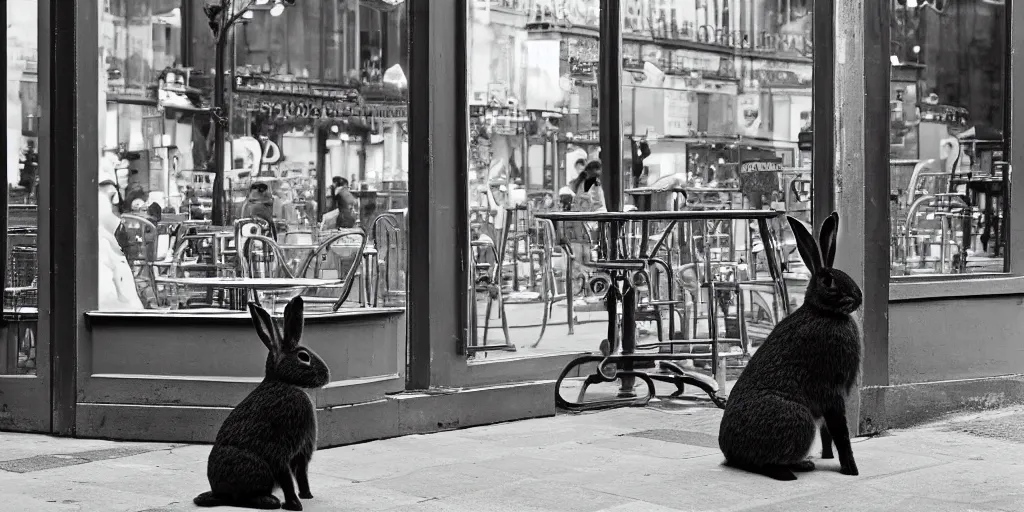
(135, 238)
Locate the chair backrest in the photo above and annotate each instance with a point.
(337, 247)
(387, 237)
(927, 170)
(244, 228)
(262, 251)
(142, 234)
(951, 166)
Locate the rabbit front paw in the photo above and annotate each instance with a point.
(306, 495)
(292, 505)
(849, 469)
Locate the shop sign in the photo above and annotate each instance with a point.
(701, 84)
(779, 78)
(763, 41)
(761, 166)
(575, 12)
(945, 114)
(797, 43)
(582, 70)
(582, 55)
(267, 85)
(632, 64)
(118, 88)
(321, 109)
(685, 61)
(779, 74)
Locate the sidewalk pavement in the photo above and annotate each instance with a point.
(662, 458)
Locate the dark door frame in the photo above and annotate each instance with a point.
(823, 112)
(58, 215)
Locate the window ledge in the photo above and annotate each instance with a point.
(949, 287)
(222, 317)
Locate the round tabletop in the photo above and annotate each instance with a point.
(252, 283)
(660, 215)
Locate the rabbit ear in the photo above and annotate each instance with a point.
(827, 239)
(293, 320)
(806, 245)
(264, 327)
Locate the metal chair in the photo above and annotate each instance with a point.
(314, 262)
(141, 253)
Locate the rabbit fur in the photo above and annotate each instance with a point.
(269, 438)
(800, 377)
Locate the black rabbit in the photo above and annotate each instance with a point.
(802, 374)
(269, 438)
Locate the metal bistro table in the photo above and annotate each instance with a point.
(628, 263)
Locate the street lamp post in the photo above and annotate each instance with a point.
(222, 18)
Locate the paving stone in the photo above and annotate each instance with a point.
(1009, 427)
(654, 459)
(40, 463)
(671, 435)
(965, 482)
(540, 495)
(445, 481)
(641, 506)
(842, 502)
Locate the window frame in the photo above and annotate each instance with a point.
(939, 286)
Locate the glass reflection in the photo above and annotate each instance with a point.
(716, 114)
(313, 168)
(21, 215)
(948, 162)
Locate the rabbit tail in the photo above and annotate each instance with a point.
(767, 434)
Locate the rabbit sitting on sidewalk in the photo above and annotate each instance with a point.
(269, 438)
(801, 375)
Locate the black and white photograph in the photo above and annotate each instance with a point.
(512, 256)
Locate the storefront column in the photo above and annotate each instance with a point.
(861, 183)
(68, 206)
(438, 230)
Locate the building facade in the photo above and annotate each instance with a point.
(386, 158)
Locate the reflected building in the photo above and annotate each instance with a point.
(707, 79)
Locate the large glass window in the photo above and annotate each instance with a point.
(716, 103)
(534, 108)
(20, 276)
(949, 176)
(307, 192)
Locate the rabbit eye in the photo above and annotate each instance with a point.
(304, 357)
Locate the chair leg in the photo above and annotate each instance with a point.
(544, 322)
(504, 321)
(660, 326)
(487, 316)
(742, 317)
